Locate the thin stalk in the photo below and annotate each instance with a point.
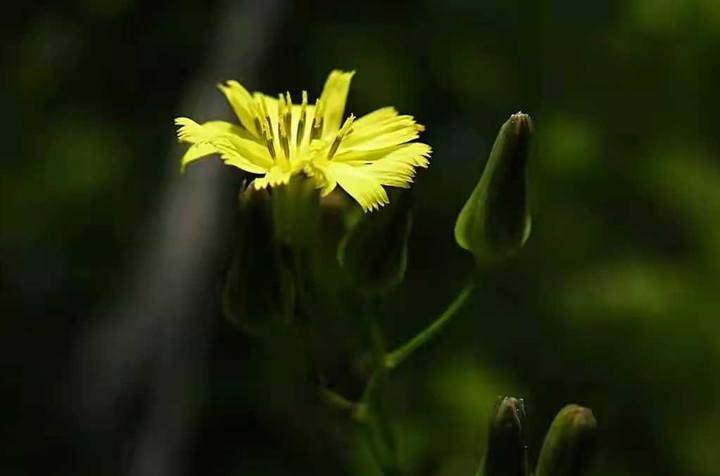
(337, 401)
(376, 431)
(397, 356)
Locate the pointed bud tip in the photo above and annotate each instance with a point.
(509, 407)
(506, 451)
(578, 417)
(522, 122)
(508, 415)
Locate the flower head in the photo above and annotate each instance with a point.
(277, 139)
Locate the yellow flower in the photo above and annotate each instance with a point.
(277, 139)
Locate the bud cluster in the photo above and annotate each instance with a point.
(568, 448)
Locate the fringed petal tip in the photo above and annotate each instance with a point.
(187, 129)
(273, 178)
(375, 205)
(340, 73)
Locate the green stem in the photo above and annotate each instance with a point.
(304, 315)
(376, 336)
(396, 357)
(337, 401)
(376, 431)
(377, 341)
(368, 411)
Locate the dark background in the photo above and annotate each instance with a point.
(114, 355)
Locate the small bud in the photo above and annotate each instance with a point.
(259, 293)
(570, 443)
(506, 453)
(495, 221)
(374, 249)
(296, 212)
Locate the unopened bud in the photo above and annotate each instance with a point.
(374, 250)
(570, 443)
(506, 452)
(495, 221)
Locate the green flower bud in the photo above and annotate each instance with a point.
(296, 212)
(570, 443)
(506, 452)
(259, 293)
(495, 221)
(374, 249)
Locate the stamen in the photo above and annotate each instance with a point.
(318, 121)
(283, 126)
(301, 121)
(281, 116)
(264, 110)
(256, 116)
(270, 144)
(285, 144)
(264, 127)
(342, 133)
(316, 129)
(288, 115)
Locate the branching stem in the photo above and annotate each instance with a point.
(368, 411)
(397, 356)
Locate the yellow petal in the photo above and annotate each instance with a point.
(397, 169)
(197, 151)
(245, 154)
(203, 137)
(381, 131)
(275, 176)
(333, 99)
(322, 181)
(242, 103)
(192, 132)
(361, 157)
(375, 116)
(357, 182)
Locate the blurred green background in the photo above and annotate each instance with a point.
(612, 304)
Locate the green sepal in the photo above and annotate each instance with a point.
(296, 212)
(259, 293)
(495, 221)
